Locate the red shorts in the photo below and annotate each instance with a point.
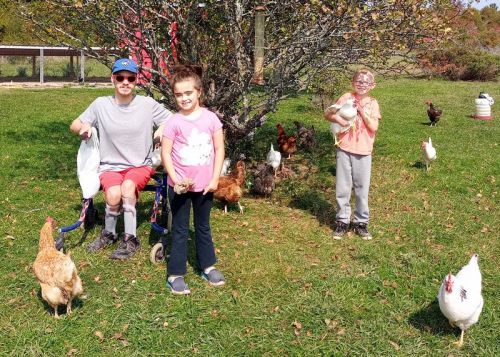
(139, 175)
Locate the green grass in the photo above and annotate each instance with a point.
(291, 289)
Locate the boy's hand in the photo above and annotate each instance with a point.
(85, 132)
(344, 123)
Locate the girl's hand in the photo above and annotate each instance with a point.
(212, 186)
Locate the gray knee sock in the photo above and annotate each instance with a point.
(110, 218)
(130, 215)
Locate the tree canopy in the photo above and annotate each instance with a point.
(302, 38)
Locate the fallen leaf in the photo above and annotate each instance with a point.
(395, 345)
(118, 335)
(297, 325)
(71, 352)
(100, 335)
(341, 332)
(165, 324)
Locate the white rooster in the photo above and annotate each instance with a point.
(428, 153)
(274, 159)
(460, 298)
(348, 112)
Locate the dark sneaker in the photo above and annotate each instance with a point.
(341, 229)
(361, 229)
(214, 277)
(178, 286)
(106, 238)
(127, 248)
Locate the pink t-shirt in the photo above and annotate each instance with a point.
(359, 139)
(193, 153)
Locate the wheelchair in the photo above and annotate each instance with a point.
(160, 220)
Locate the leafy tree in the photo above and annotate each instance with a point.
(302, 38)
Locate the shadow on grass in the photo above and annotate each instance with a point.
(418, 165)
(431, 320)
(315, 202)
(76, 304)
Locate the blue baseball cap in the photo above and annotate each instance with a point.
(124, 64)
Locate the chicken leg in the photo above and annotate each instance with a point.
(460, 342)
(56, 315)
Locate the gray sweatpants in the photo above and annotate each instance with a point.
(352, 170)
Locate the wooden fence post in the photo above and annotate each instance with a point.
(260, 24)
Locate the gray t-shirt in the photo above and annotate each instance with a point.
(125, 131)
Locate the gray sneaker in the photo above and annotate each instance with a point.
(127, 248)
(341, 229)
(106, 238)
(214, 277)
(361, 229)
(178, 286)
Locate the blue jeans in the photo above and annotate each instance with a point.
(181, 209)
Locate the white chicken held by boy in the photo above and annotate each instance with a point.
(348, 112)
(428, 153)
(460, 298)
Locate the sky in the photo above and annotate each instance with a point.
(484, 3)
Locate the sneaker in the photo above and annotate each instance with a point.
(106, 238)
(214, 277)
(178, 286)
(361, 229)
(341, 229)
(127, 248)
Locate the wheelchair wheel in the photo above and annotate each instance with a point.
(91, 218)
(157, 254)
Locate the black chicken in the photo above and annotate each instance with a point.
(305, 137)
(263, 181)
(434, 113)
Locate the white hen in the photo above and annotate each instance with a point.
(274, 159)
(428, 153)
(460, 298)
(348, 112)
(225, 167)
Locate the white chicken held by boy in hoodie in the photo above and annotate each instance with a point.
(460, 298)
(428, 153)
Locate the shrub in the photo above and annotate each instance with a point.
(22, 72)
(461, 64)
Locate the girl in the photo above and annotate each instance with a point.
(192, 154)
(354, 155)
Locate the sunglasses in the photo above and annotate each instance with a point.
(130, 79)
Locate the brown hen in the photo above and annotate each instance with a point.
(433, 112)
(286, 143)
(55, 272)
(230, 186)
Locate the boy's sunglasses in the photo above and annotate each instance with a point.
(130, 79)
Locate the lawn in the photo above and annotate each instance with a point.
(291, 289)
